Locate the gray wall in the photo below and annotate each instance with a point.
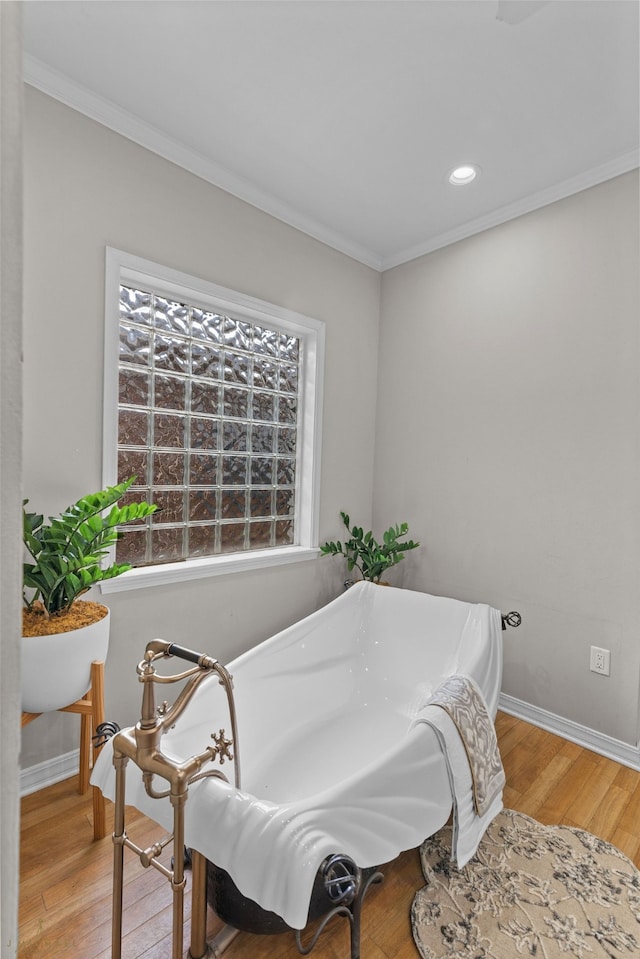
(85, 188)
(508, 437)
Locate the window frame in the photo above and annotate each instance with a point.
(125, 268)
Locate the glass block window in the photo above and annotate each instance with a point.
(212, 416)
(207, 421)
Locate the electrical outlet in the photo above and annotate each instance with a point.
(600, 661)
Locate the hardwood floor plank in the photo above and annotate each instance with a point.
(630, 819)
(65, 888)
(577, 778)
(537, 792)
(628, 844)
(587, 801)
(627, 778)
(513, 735)
(511, 797)
(91, 924)
(92, 873)
(503, 722)
(529, 757)
(608, 812)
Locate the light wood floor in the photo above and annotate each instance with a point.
(65, 886)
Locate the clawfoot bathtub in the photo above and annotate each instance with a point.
(332, 760)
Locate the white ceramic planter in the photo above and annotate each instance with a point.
(56, 669)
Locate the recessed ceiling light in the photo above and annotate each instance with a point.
(463, 174)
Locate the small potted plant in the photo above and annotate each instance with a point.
(62, 634)
(364, 553)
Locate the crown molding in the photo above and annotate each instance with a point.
(534, 201)
(103, 111)
(60, 87)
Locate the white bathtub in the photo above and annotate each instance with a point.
(331, 761)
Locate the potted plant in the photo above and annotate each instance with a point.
(62, 634)
(364, 553)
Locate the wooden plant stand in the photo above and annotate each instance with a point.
(91, 710)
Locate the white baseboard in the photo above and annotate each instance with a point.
(600, 743)
(49, 772)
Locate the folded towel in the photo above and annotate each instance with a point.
(463, 701)
(466, 734)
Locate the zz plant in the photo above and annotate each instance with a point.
(67, 552)
(364, 553)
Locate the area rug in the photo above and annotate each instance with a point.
(552, 892)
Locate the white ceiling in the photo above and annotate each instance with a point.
(344, 117)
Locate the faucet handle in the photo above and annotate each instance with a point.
(222, 747)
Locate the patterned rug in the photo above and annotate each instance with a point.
(551, 892)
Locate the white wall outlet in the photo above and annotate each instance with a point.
(600, 661)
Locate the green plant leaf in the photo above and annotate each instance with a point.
(363, 552)
(69, 549)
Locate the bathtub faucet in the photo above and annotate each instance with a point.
(155, 720)
(142, 744)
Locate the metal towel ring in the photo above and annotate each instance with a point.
(511, 619)
(104, 732)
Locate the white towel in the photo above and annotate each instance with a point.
(459, 717)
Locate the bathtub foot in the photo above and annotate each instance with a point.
(337, 911)
(353, 912)
(356, 909)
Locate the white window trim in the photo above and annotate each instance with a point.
(125, 268)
